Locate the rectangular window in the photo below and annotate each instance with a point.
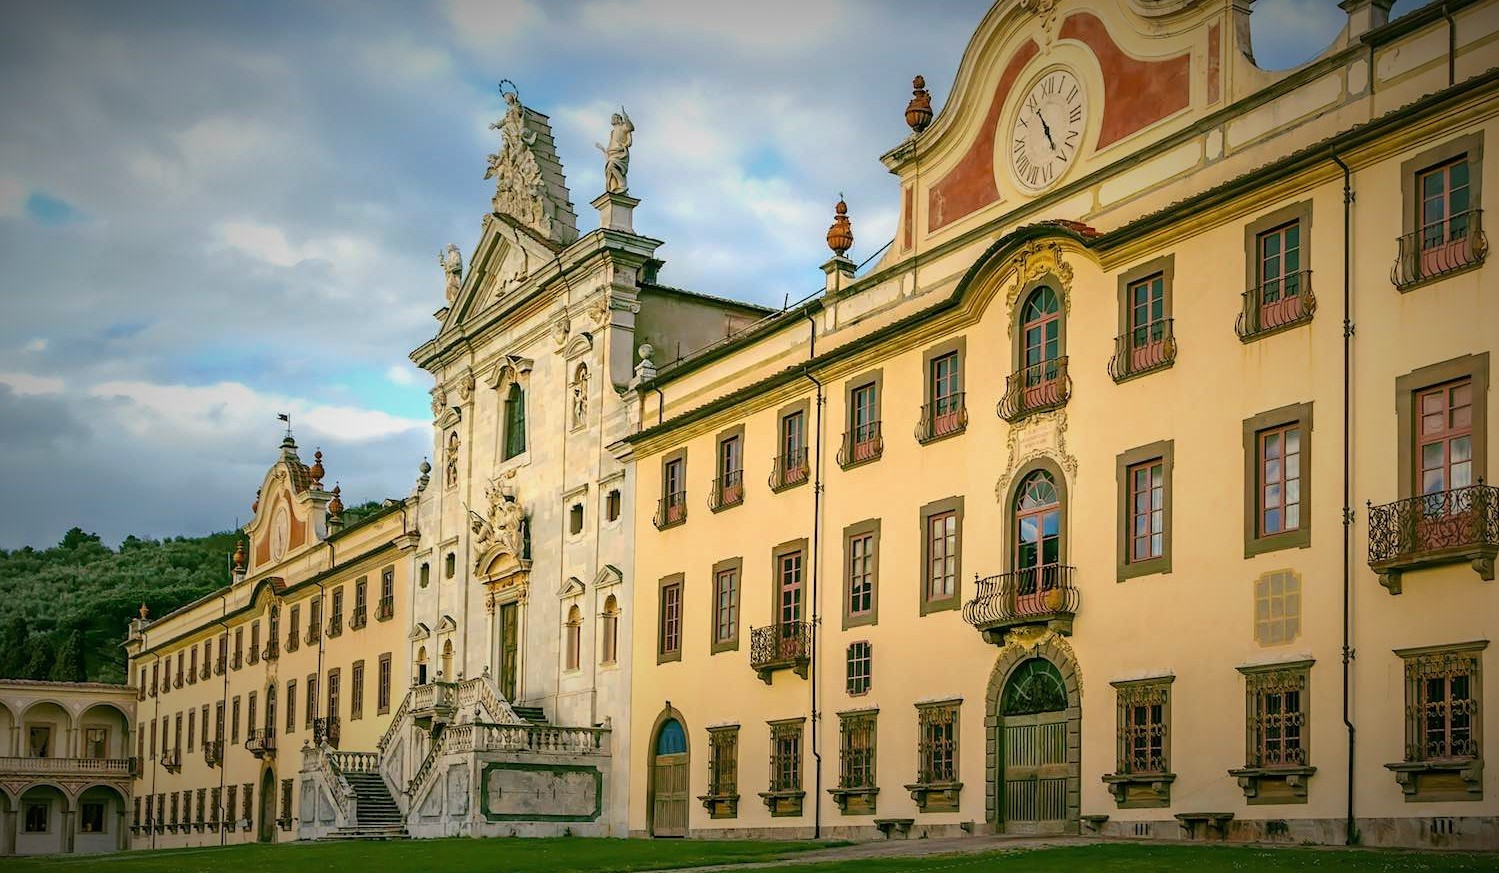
(942, 555)
(937, 743)
(860, 574)
(786, 756)
(192, 732)
(856, 749)
(233, 724)
(730, 486)
(250, 712)
(291, 705)
(673, 508)
(38, 817)
(860, 667)
(314, 619)
(1276, 704)
(1144, 727)
(177, 735)
(356, 691)
(670, 628)
(789, 588)
(218, 722)
(726, 605)
(864, 424)
(1278, 454)
(96, 743)
(192, 671)
(794, 439)
(255, 641)
(1278, 253)
(231, 798)
(1445, 438)
(723, 767)
(312, 700)
(1147, 489)
(515, 422)
(1443, 723)
(293, 639)
(239, 647)
(1446, 198)
(944, 413)
(335, 679)
(382, 691)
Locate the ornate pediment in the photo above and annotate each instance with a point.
(573, 587)
(608, 576)
(529, 185)
(419, 631)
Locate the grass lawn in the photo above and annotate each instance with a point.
(1155, 858)
(406, 856)
(607, 856)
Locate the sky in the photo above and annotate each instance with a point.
(212, 213)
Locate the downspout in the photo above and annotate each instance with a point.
(219, 734)
(1351, 836)
(1451, 46)
(156, 762)
(816, 563)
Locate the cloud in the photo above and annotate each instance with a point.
(490, 25)
(27, 383)
(12, 198)
(36, 344)
(401, 374)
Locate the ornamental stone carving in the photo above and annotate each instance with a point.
(617, 153)
(504, 523)
(528, 176)
(451, 261)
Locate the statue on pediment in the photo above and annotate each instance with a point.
(617, 153)
(451, 261)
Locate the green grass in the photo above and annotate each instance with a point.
(1155, 858)
(613, 856)
(564, 855)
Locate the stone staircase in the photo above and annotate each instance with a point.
(532, 714)
(379, 817)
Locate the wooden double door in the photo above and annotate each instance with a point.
(1035, 773)
(669, 782)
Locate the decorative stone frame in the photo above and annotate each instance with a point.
(858, 800)
(1164, 265)
(1443, 780)
(955, 600)
(1059, 281)
(875, 377)
(1469, 145)
(679, 454)
(1301, 538)
(720, 806)
(1301, 213)
(784, 803)
(1017, 651)
(1472, 367)
(662, 654)
(1165, 452)
(1142, 790)
(804, 406)
(729, 645)
(955, 346)
(1266, 785)
(715, 502)
(871, 528)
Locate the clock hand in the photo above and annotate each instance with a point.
(1046, 129)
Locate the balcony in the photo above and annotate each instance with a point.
(784, 646)
(727, 492)
(272, 651)
(1440, 249)
(325, 730)
(1277, 305)
(1143, 350)
(1037, 388)
(789, 470)
(433, 702)
(358, 618)
(861, 445)
(947, 417)
(385, 610)
(314, 632)
(1035, 596)
(293, 641)
(177, 680)
(171, 760)
(218, 665)
(206, 670)
(671, 510)
(237, 661)
(1444, 527)
(213, 752)
(335, 625)
(261, 742)
(83, 767)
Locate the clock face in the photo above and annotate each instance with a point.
(1048, 130)
(280, 531)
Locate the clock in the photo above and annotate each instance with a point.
(280, 531)
(1047, 131)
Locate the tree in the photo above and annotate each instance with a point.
(68, 665)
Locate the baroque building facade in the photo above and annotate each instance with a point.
(1023, 531)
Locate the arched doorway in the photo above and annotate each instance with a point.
(421, 665)
(1035, 714)
(267, 830)
(668, 777)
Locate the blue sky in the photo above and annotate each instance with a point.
(214, 212)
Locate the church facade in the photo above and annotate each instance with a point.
(1138, 490)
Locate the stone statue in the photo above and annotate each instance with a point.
(580, 396)
(452, 268)
(519, 187)
(617, 153)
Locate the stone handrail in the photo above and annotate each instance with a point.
(105, 766)
(395, 722)
(354, 762)
(333, 780)
(428, 767)
(541, 739)
(481, 691)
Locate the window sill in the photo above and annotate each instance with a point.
(851, 464)
(936, 796)
(855, 801)
(1422, 781)
(1140, 790)
(1272, 785)
(946, 604)
(721, 805)
(1148, 567)
(783, 803)
(1300, 539)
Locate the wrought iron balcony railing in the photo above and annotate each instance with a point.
(206, 670)
(727, 491)
(171, 759)
(219, 664)
(1440, 248)
(213, 752)
(335, 625)
(671, 510)
(948, 416)
(789, 470)
(1035, 595)
(1276, 305)
(386, 609)
(237, 661)
(314, 632)
(261, 742)
(1143, 349)
(861, 445)
(786, 645)
(325, 730)
(1037, 388)
(357, 618)
(1444, 527)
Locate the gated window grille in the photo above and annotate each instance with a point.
(1441, 694)
(856, 749)
(1277, 718)
(723, 761)
(1144, 728)
(937, 743)
(786, 756)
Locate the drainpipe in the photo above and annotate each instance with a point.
(1351, 830)
(155, 717)
(1451, 46)
(223, 747)
(816, 602)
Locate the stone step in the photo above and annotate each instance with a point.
(533, 714)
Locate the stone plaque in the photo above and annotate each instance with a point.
(540, 792)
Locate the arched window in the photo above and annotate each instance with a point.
(574, 638)
(610, 646)
(1041, 327)
(421, 665)
(447, 660)
(672, 740)
(1040, 380)
(1038, 540)
(1034, 687)
(515, 421)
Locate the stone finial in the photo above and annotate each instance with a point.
(336, 505)
(239, 555)
(841, 234)
(425, 469)
(255, 504)
(145, 613)
(919, 110)
(316, 471)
